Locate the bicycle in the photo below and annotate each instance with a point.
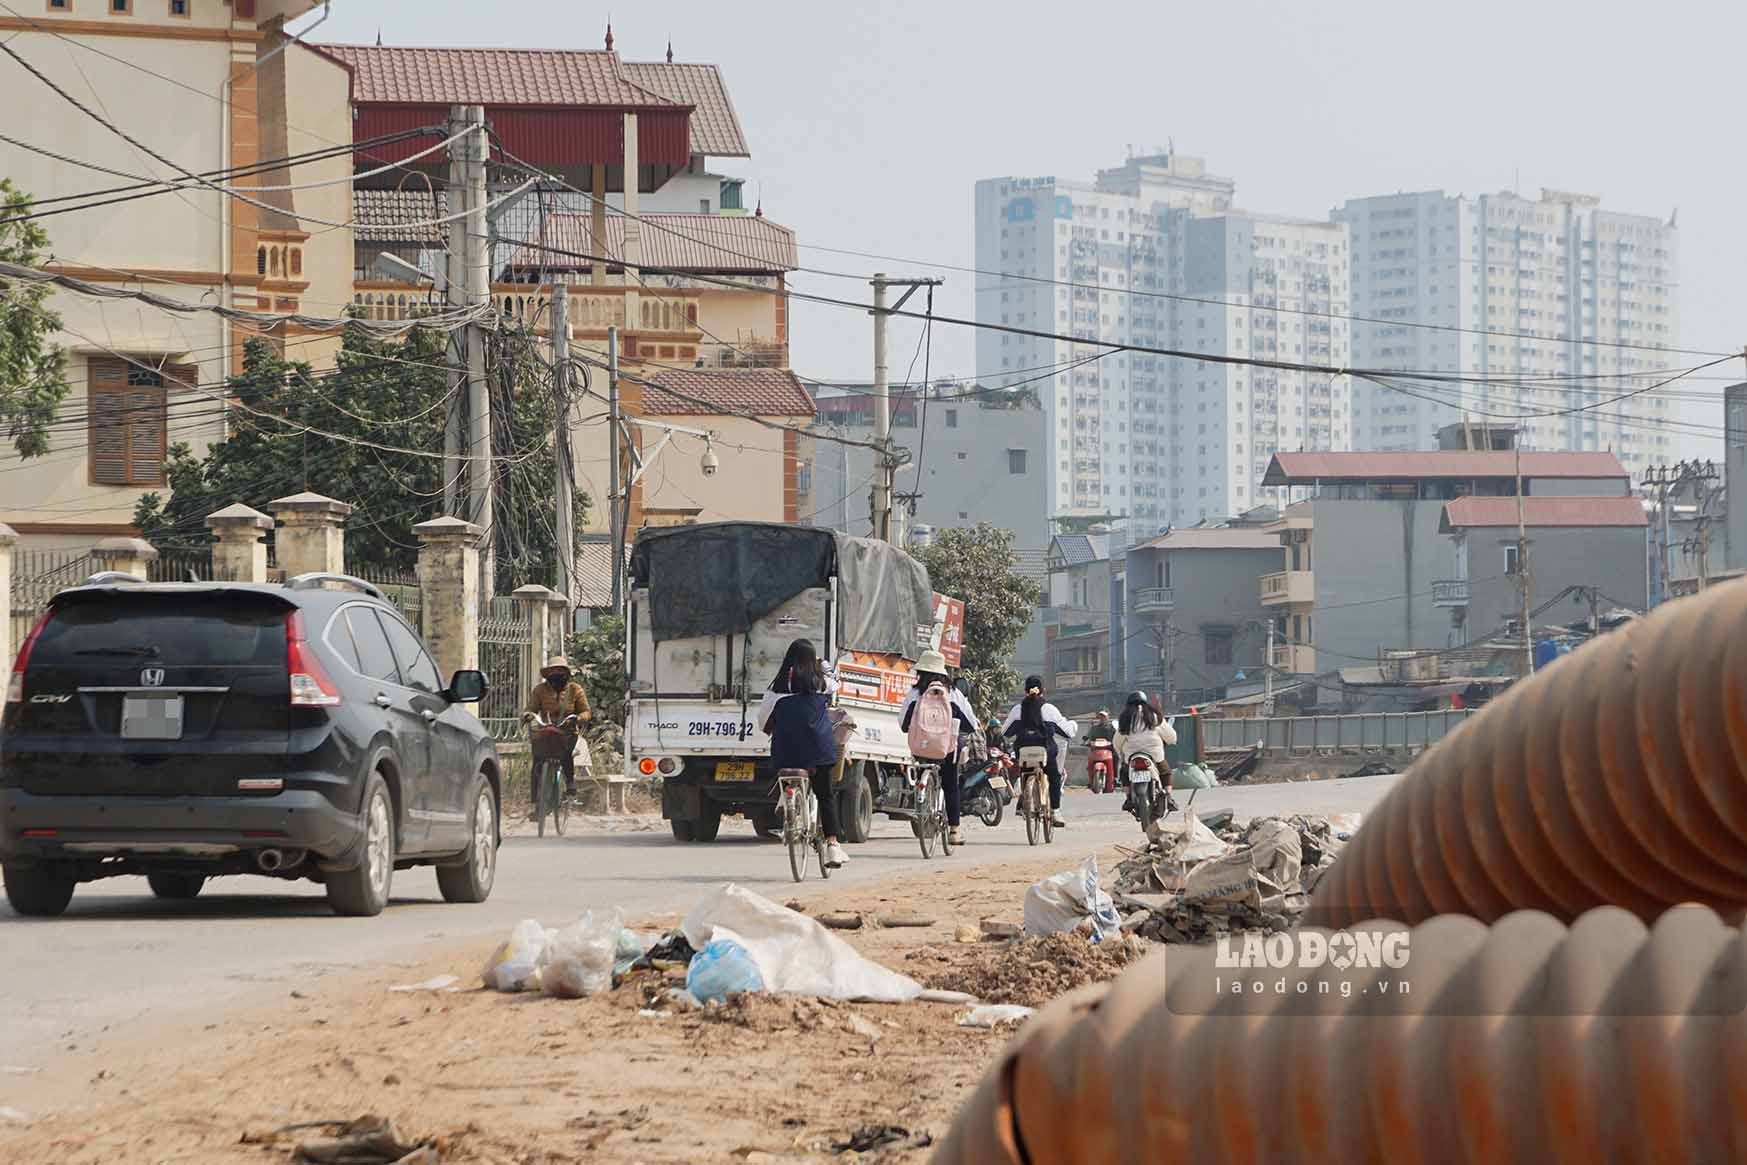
(929, 823)
(800, 814)
(1034, 794)
(547, 744)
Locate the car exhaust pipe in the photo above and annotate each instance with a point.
(271, 861)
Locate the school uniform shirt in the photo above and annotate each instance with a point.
(768, 702)
(1052, 719)
(955, 699)
(799, 726)
(1151, 741)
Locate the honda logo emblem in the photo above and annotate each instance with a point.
(152, 677)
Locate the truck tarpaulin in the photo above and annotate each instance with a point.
(719, 578)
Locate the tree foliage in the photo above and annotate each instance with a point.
(598, 656)
(33, 371)
(977, 564)
(382, 393)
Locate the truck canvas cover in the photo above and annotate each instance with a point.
(719, 578)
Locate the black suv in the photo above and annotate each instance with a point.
(183, 731)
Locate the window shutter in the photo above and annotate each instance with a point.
(106, 393)
(146, 434)
(128, 422)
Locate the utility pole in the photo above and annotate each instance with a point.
(887, 460)
(455, 297)
(1268, 672)
(1527, 667)
(564, 518)
(615, 509)
(481, 464)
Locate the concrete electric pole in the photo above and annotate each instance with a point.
(615, 506)
(887, 460)
(481, 507)
(564, 487)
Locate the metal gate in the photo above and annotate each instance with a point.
(505, 635)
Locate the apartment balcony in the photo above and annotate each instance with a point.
(1294, 659)
(1450, 593)
(1288, 586)
(1151, 601)
(1078, 681)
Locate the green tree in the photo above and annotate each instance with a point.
(33, 371)
(378, 419)
(598, 655)
(977, 564)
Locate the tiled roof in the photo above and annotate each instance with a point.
(715, 127)
(594, 574)
(1033, 564)
(760, 392)
(375, 214)
(1076, 549)
(725, 244)
(419, 76)
(1213, 538)
(1302, 468)
(1544, 511)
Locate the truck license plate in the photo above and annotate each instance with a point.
(736, 770)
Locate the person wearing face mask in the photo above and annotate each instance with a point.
(556, 698)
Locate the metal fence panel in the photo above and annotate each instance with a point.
(504, 636)
(36, 576)
(1351, 733)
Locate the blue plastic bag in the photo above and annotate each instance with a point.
(721, 969)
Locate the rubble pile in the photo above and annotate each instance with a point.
(1202, 877)
(1033, 971)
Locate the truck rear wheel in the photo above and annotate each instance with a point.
(855, 805)
(682, 830)
(709, 822)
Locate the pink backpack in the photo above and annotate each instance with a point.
(933, 731)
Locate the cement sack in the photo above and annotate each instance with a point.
(1224, 883)
(1275, 850)
(793, 953)
(1063, 901)
(1187, 838)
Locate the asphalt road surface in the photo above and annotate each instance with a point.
(119, 953)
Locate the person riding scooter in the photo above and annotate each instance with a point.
(1100, 755)
(1141, 731)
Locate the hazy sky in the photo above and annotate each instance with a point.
(869, 123)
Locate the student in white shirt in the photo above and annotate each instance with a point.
(1035, 722)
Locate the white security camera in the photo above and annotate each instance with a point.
(709, 463)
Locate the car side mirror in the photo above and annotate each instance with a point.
(467, 687)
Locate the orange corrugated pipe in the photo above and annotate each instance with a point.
(1522, 1041)
(1617, 776)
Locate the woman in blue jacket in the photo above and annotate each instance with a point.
(796, 715)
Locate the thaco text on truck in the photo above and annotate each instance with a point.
(713, 610)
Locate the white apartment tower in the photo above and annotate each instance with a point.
(1507, 288)
(1153, 254)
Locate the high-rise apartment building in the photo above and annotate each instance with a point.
(1153, 254)
(1507, 289)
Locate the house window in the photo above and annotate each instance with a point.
(121, 7)
(1016, 461)
(60, 5)
(952, 418)
(1510, 560)
(1217, 641)
(297, 267)
(179, 7)
(703, 206)
(260, 260)
(127, 421)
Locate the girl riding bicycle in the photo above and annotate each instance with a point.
(1036, 723)
(931, 670)
(796, 715)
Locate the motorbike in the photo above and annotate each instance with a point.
(988, 789)
(1149, 790)
(1101, 765)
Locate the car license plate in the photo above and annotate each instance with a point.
(151, 716)
(997, 782)
(736, 770)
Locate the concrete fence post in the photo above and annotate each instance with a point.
(127, 555)
(449, 581)
(311, 537)
(238, 552)
(8, 539)
(533, 600)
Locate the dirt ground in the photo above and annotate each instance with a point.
(526, 1079)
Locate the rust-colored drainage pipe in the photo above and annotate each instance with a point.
(1522, 1041)
(1617, 776)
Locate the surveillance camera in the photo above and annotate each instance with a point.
(710, 462)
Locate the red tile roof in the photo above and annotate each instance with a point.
(761, 392)
(1543, 511)
(715, 126)
(417, 76)
(1303, 468)
(731, 244)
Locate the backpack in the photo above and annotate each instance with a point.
(933, 731)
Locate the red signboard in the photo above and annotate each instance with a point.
(949, 618)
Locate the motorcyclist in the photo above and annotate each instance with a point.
(1142, 730)
(1101, 728)
(1034, 722)
(931, 669)
(555, 699)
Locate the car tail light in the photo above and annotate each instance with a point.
(310, 685)
(646, 766)
(668, 766)
(15, 685)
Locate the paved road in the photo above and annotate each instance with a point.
(119, 953)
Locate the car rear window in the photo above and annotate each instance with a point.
(221, 630)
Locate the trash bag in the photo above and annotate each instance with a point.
(628, 952)
(1192, 776)
(579, 959)
(1063, 901)
(514, 965)
(721, 969)
(794, 953)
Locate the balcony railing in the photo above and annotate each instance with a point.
(1151, 600)
(1075, 681)
(1295, 658)
(1450, 593)
(1288, 586)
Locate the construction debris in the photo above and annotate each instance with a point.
(1032, 971)
(841, 921)
(369, 1140)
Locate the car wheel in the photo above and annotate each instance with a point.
(709, 822)
(683, 830)
(363, 890)
(175, 886)
(855, 806)
(472, 880)
(39, 891)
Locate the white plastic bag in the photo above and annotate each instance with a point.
(1065, 900)
(794, 954)
(579, 959)
(994, 1015)
(1186, 838)
(513, 966)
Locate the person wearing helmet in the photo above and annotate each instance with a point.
(930, 670)
(1141, 729)
(1035, 722)
(556, 698)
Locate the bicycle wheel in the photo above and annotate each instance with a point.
(816, 835)
(1028, 808)
(560, 806)
(539, 788)
(940, 820)
(925, 812)
(795, 835)
(1047, 815)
